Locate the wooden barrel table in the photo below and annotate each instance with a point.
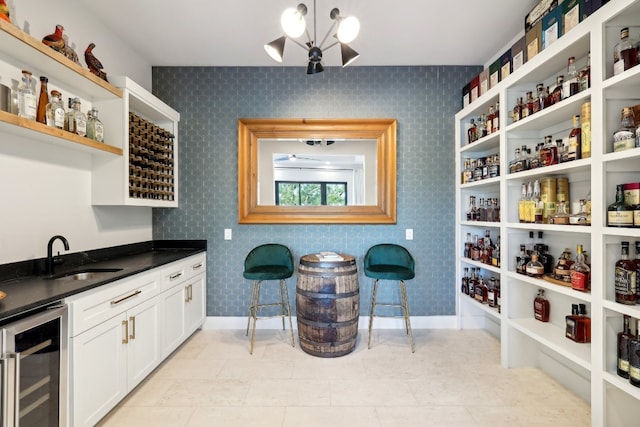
(327, 305)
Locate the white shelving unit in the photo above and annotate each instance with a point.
(587, 369)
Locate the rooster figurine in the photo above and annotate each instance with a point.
(55, 40)
(95, 66)
(4, 11)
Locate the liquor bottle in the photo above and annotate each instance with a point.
(55, 111)
(522, 260)
(541, 307)
(625, 137)
(495, 127)
(543, 255)
(549, 152)
(634, 357)
(625, 53)
(43, 100)
(492, 292)
(465, 282)
(26, 96)
(495, 256)
(79, 119)
(467, 246)
(624, 338)
(95, 129)
(538, 204)
(637, 267)
(537, 104)
(472, 132)
(549, 98)
(482, 211)
(584, 76)
(562, 270)
(574, 151)
(619, 214)
(561, 217)
(475, 249)
(480, 293)
(530, 101)
(558, 94)
(585, 125)
(584, 325)
(529, 208)
(482, 126)
(580, 273)
(489, 122)
(69, 122)
(490, 210)
(530, 245)
(580, 217)
(522, 204)
(472, 283)
(517, 111)
(625, 277)
(572, 322)
(534, 162)
(534, 267)
(571, 85)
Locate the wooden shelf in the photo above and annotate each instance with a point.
(31, 52)
(10, 123)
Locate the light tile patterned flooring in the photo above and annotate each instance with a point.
(453, 379)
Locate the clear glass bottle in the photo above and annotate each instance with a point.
(561, 216)
(473, 280)
(625, 277)
(534, 267)
(522, 204)
(467, 246)
(495, 127)
(580, 273)
(624, 338)
(625, 137)
(541, 307)
(634, 357)
(27, 105)
(80, 120)
(584, 76)
(549, 152)
(464, 288)
(574, 146)
(625, 53)
(43, 100)
(580, 217)
(482, 126)
(55, 111)
(619, 213)
(571, 82)
(517, 111)
(538, 204)
(489, 122)
(95, 129)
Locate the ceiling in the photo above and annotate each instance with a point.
(233, 32)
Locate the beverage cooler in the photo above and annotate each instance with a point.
(33, 369)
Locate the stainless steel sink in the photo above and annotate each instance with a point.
(85, 274)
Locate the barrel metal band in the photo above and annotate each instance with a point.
(332, 343)
(325, 325)
(321, 295)
(327, 274)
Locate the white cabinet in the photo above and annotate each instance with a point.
(120, 332)
(587, 369)
(183, 284)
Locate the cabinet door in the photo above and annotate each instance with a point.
(173, 331)
(98, 371)
(144, 349)
(195, 303)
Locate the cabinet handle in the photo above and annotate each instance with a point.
(132, 319)
(186, 293)
(190, 292)
(175, 276)
(118, 301)
(125, 324)
(196, 266)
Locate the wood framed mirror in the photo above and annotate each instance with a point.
(254, 164)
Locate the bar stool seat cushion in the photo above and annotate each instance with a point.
(268, 272)
(389, 272)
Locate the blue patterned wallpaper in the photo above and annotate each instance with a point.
(211, 99)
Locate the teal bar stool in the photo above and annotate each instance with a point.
(268, 262)
(390, 262)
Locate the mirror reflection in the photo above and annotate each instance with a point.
(317, 172)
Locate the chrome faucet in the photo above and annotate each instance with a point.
(49, 265)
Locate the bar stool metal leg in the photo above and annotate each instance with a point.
(373, 309)
(255, 314)
(405, 310)
(251, 305)
(284, 290)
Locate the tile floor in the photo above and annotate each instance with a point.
(453, 379)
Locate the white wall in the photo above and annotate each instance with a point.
(46, 190)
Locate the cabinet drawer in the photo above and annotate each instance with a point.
(98, 305)
(180, 271)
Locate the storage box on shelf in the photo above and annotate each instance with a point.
(147, 175)
(21, 50)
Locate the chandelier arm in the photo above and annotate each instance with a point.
(328, 33)
(298, 43)
(330, 46)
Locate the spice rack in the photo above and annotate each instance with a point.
(587, 369)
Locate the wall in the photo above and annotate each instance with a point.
(47, 189)
(210, 100)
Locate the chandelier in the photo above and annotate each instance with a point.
(294, 26)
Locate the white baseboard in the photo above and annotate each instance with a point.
(417, 322)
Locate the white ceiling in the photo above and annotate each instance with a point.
(233, 32)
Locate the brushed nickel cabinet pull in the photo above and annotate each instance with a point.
(186, 293)
(196, 266)
(118, 301)
(175, 276)
(191, 292)
(132, 319)
(125, 324)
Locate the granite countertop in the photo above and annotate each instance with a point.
(27, 286)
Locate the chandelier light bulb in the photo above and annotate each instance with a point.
(348, 29)
(292, 21)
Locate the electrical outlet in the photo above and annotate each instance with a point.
(227, 234)
(408, 234)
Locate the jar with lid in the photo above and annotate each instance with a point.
(625, 137)
(95, 129)
(55, 111)
(625, 53)
(27, 104)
